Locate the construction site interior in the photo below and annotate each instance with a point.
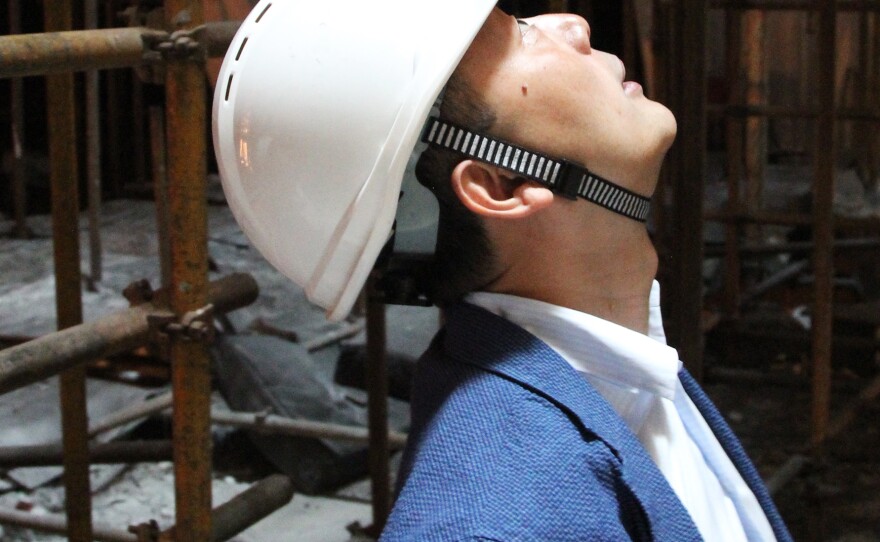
(285, 426)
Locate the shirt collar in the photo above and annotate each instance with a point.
(594, 346)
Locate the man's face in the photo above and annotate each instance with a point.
(553, 92)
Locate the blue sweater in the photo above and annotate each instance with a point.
(509, 443)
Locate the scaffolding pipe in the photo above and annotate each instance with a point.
(734, 129)
(795, 247)
(160, 190)
(301, 428)
(250, 506)
(131, 413)
(19, 181)
(93, 155)
(186, 126)
(43, 455)
(64, 173)
(243, 510)
(791, 5)
(823, 227)
(689, 164)
(113, 334)
(79, 50)
(865, 113)
(55, 523)
(257, 421)
(377, 407)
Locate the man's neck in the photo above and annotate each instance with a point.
(609, 278)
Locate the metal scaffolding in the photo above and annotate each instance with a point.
(684, 42)
(178, 318)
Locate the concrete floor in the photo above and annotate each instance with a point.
(129, 495)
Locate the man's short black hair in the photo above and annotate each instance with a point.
(464, 257)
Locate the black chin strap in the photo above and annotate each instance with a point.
(561, 176)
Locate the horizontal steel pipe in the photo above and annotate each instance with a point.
(795, 247)
(245, 509)
(113, 334)
(250, 506)
(105, 454)
(78, 50)
(131, 413)
(247, 420)
(57, 523)
(302, 428)
(54, 52)
(789, 5)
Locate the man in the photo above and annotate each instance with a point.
(549, 407)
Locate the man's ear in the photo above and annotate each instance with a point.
(488, 191)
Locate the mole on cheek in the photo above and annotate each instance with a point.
(525, 89)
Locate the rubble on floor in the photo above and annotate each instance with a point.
(280, 322)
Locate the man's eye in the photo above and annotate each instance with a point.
(523, 26)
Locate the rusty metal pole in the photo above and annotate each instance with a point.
(753, 50)
(160, 189)
(115, 333)
(19, 181)
(734, 148)
(823, 221)
(93, 155)
(108, 453)
(55, 523)
(243, 510)
(377, 406)
(250, 506)
(279, 425)
(64, 173)
(76, 50)
(686, 221)
(187, 233)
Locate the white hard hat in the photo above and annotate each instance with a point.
(317, 109)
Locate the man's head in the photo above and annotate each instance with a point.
(539, 84)
(319, 105)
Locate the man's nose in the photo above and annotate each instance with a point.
(568, 28)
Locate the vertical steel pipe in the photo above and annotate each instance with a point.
(93, 154)
(138, 174)
(872, 94)
(160, 189)
(19, 181)
(823, 221)
(686, 221)
(734, 149)
(64, 174)
(753, 49)
(187, 233)
(377, 407)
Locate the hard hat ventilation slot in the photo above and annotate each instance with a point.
(260, 16)
(240, 49)
(228, 87)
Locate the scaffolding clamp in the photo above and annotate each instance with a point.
(179, 45)
(195, 325)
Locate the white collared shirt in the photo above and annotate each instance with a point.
(638, 375)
